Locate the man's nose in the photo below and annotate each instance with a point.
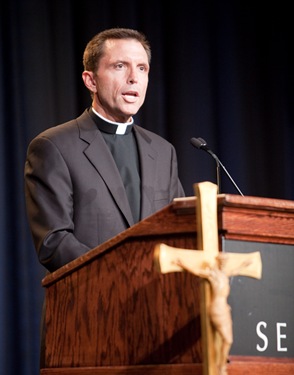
(133, 76)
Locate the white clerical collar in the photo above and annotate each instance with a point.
(121, 127)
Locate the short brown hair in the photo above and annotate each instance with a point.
(94, 49)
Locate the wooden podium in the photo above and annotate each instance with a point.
(111, 312)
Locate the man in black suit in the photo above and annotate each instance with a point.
(93, 177)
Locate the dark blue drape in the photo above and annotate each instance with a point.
(221, 70)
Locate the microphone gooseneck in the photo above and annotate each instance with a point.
(201, 144)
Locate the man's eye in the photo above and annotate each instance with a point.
(144, 68)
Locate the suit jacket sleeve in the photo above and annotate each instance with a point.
(49, 199)
(176, 186)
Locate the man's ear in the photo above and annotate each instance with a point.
(89, 81)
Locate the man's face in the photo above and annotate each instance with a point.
(121, 80)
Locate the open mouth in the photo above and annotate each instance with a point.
(131, 94)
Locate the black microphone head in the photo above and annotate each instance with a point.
(199, 143)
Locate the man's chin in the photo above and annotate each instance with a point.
(130, 109)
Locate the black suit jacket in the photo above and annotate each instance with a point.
(74, 192)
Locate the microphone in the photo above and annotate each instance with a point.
(201, 144)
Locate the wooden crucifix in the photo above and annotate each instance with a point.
(214, 268)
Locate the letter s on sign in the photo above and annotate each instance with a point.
(262, 336)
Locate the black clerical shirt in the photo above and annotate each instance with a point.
(123, 147)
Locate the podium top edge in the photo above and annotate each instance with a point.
(241, 201)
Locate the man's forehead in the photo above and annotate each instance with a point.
(129, 47)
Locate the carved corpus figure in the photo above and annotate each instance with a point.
(216, 268)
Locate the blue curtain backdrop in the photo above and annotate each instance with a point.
(221, 70)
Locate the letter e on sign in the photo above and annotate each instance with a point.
(280, 336)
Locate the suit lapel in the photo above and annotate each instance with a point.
(99, 155)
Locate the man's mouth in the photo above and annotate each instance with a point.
(130, 93)
(130, 96)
